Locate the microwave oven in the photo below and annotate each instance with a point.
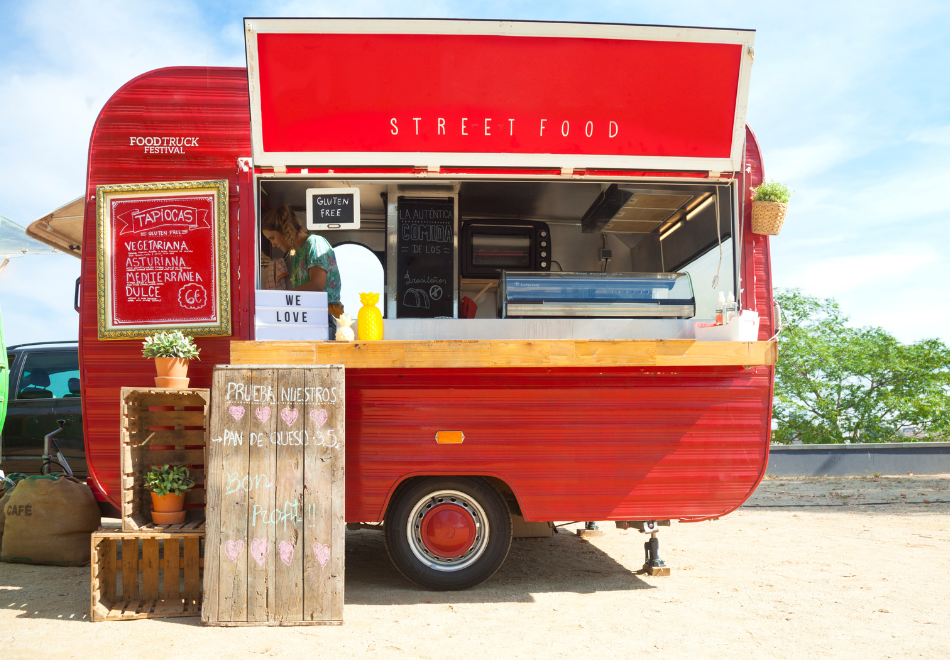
(492, 246)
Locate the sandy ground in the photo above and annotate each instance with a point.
(811, 568)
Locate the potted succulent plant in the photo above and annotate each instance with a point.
(167, 484)
(769, 205)
(171, 351)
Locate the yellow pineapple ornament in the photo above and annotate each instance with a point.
(344, 332)
(370, 319)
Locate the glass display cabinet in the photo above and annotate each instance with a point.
(596, 295)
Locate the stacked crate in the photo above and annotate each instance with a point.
(149, 570)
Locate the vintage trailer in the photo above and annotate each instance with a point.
(610, 165)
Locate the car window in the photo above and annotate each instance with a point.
(11, 360)
(52, 375)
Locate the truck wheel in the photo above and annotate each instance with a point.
(448, 533)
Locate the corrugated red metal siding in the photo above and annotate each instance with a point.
(757, 264)
(212, 105)
(574, 444)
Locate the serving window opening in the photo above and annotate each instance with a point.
(526, 259)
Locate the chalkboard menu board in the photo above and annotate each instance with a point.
(162, 258)
(425, 258)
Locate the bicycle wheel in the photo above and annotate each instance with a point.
(47, 467)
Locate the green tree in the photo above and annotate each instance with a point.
(836, 383)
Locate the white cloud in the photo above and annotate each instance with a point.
(937, 136)
(416, 8)
(36, 299)
(902, 290)
(901, 199)
(841, 274)
(74, 57)
(817, 155)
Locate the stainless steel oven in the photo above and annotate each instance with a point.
(491, 246)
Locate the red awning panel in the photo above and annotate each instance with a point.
(486, 93)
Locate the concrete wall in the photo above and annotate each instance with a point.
(859, 459)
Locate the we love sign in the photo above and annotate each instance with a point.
(275, 516)
(163, 258)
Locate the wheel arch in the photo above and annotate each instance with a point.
(498, 482)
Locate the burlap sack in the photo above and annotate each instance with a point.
(3, 507)
(6, 488)
(49, 520)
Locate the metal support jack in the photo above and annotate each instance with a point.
(652, 565)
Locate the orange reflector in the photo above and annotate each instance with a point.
(449, 437)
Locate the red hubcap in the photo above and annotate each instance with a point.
(448, 530)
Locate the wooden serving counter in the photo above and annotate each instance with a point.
(476, 354)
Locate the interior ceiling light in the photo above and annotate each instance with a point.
(671, 230)
(695, 211)
(637, 211)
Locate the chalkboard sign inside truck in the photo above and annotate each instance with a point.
(425, 286)
(333, 208)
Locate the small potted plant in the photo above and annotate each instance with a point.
(168, 484)
(769, 206)
(171, 351)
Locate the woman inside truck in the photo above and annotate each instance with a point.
(310, 259)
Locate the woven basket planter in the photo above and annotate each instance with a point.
(767, 217)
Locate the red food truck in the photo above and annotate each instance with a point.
(553, 205)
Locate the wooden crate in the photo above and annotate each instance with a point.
(145, 575)
(162, 426)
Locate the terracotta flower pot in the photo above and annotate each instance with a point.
(168, 509)
(172, 372)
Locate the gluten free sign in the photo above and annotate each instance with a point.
(333, 208)
(163, 253)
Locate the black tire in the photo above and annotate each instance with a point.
(456, 496)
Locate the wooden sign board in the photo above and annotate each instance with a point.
(162, 259)
(275, 516)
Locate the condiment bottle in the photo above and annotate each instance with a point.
(719, 307)
(730, 309)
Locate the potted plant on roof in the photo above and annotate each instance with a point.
(172, 351)
(167, 484)
(769, 205)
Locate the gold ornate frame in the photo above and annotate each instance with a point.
(219, 188)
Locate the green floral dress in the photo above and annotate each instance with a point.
(316, 251)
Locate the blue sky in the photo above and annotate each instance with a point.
(849, 101)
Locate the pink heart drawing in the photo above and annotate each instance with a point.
(262, 413)
(237, 412)
(233, 549)
(322, 552)
(259, 550)
(289, 415)
(286, 551)
(319, 417)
